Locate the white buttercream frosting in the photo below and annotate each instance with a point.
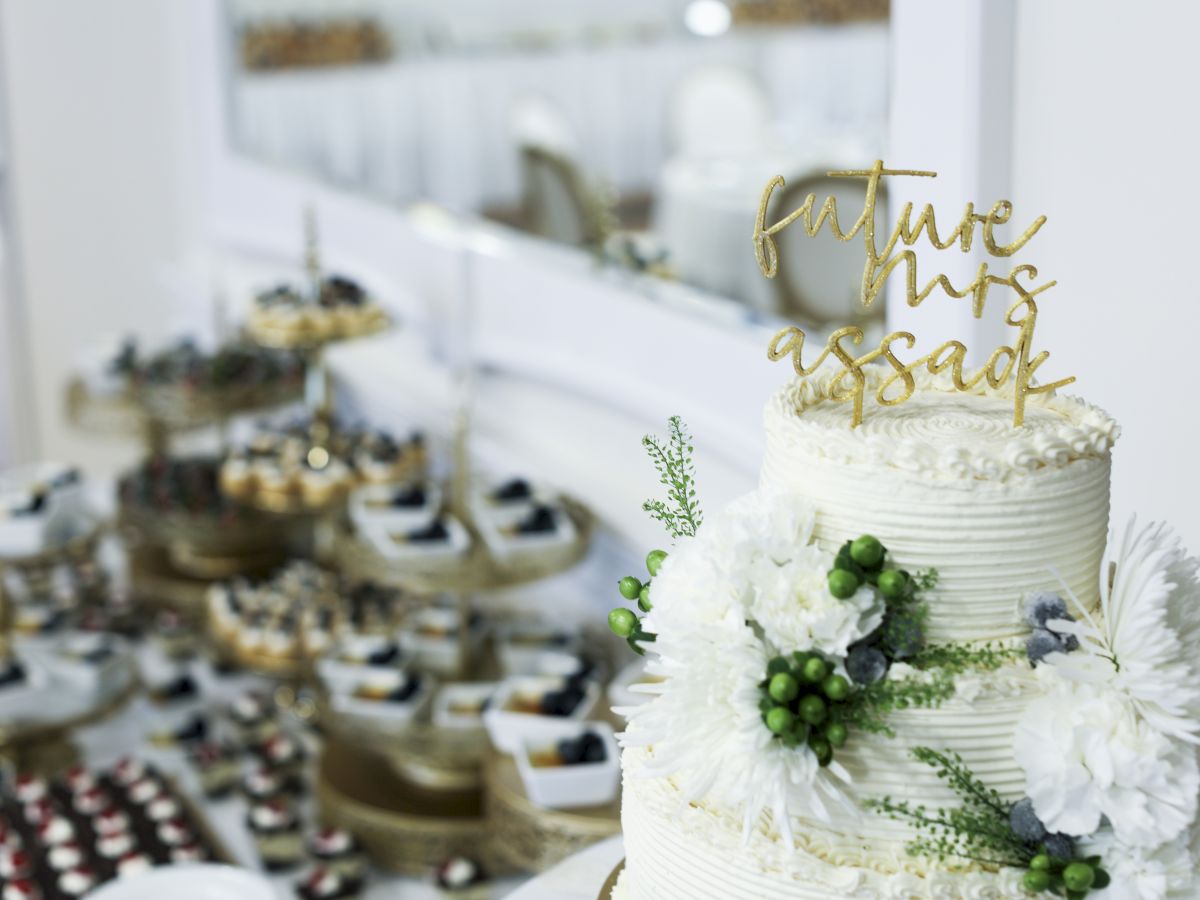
(947, 482)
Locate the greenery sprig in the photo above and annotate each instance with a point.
(680, 513)
(981, 830)
(955, 659)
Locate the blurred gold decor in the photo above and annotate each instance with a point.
(303, 45)
(1005, 362)
(789, 12)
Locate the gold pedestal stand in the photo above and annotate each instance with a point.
(610, 883)
(535, 838)
(404, 827)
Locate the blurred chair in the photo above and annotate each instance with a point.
(718, 110)
(556, 200)
(820, 279)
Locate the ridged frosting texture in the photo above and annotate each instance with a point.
(676, 851)
(947, 483)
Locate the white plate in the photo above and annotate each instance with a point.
(189, 882)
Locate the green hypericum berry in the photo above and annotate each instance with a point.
(893, 583)
(814, 669)
(629, 587)
(836, 733)
(1103, 879)
(1041, 862)
(622, 622)
(813, 709)
(836, 687)
(784, 688)
(842, 584)
(867, 551)
(780, 720)
(654, 560)
(644, 598)
(1078, 876)
(822, 749)
(1036, 880)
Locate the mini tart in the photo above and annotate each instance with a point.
(188, 853)
(76, 882)
(10, 838)
(175, 832)
(144, 790)
(460, 878)
(133, 863)
(29, 789)
(337, 850)
(237, 477)
(21, 889)
(65, 856)
(91, 802)
(111, 821)
(163, 808)
(56, 830)
(276, 831)
(79, 780)
(328, 884)
(283, 754)
(263, 784)
(114, 846)
(15, 864)
(128, 770)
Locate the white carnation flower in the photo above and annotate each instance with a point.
(706, 729)
(1088, 755)
(765, 523)
(1164, 873)
(793, 606)
(695, 586)
(1144, 644)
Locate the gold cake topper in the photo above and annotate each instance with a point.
(1004, 363)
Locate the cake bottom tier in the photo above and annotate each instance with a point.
(693, 852)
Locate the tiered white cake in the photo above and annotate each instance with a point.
(945, 482)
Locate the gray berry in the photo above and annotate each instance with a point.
(1025, 823)
(1041, 643)
(1043, 605)
(902, 635)
(866, 665)
(1060, 846)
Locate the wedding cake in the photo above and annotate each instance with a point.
(1028, 702)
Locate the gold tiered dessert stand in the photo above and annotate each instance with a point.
(482, 806)
(41, 743)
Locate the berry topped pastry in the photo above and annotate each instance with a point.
(329, 884)
(461, 878)
(337, 850)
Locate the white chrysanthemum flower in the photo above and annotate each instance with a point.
(1088, 755)
(704, 724)
(793, 606)
(765, 522)
(1146, 640)
(1164, 873)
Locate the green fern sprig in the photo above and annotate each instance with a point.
(680, 513)
(979, 830)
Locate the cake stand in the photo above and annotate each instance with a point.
(60, 689)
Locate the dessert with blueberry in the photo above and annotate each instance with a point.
(336, 849)
(277, 834)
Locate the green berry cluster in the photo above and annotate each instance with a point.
(625, 623)
(861, 561)
(1065, 878)
(802, 703)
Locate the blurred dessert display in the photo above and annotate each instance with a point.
(296, 44)
(311, 465)
(41, 506)
(181, 387)
(279, 625)
(286, 316)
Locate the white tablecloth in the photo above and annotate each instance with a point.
(579, 877)
(438, 127)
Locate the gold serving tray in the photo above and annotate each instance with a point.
(532, 838)
(404, 827)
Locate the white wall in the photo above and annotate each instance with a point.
(98, 122)
(1104, 144)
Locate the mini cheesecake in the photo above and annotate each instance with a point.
(76, 882)
(111, 821)
(91, 802)
(29, 789)
(115, 845)
(21, 889)
(133, 863)
(284, 754)
(65, 856)
(55, 830)
(460, 878)
(264, 784)
(163, 808)
(15, 864)
(336, 850)
(328, 884)
(79, 780)
(190, 852)
(10, 838)
(142, 791)
(252, 715)
(276, 830)
(175, 832)
(127, 770)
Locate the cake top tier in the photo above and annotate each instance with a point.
(939, 432)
